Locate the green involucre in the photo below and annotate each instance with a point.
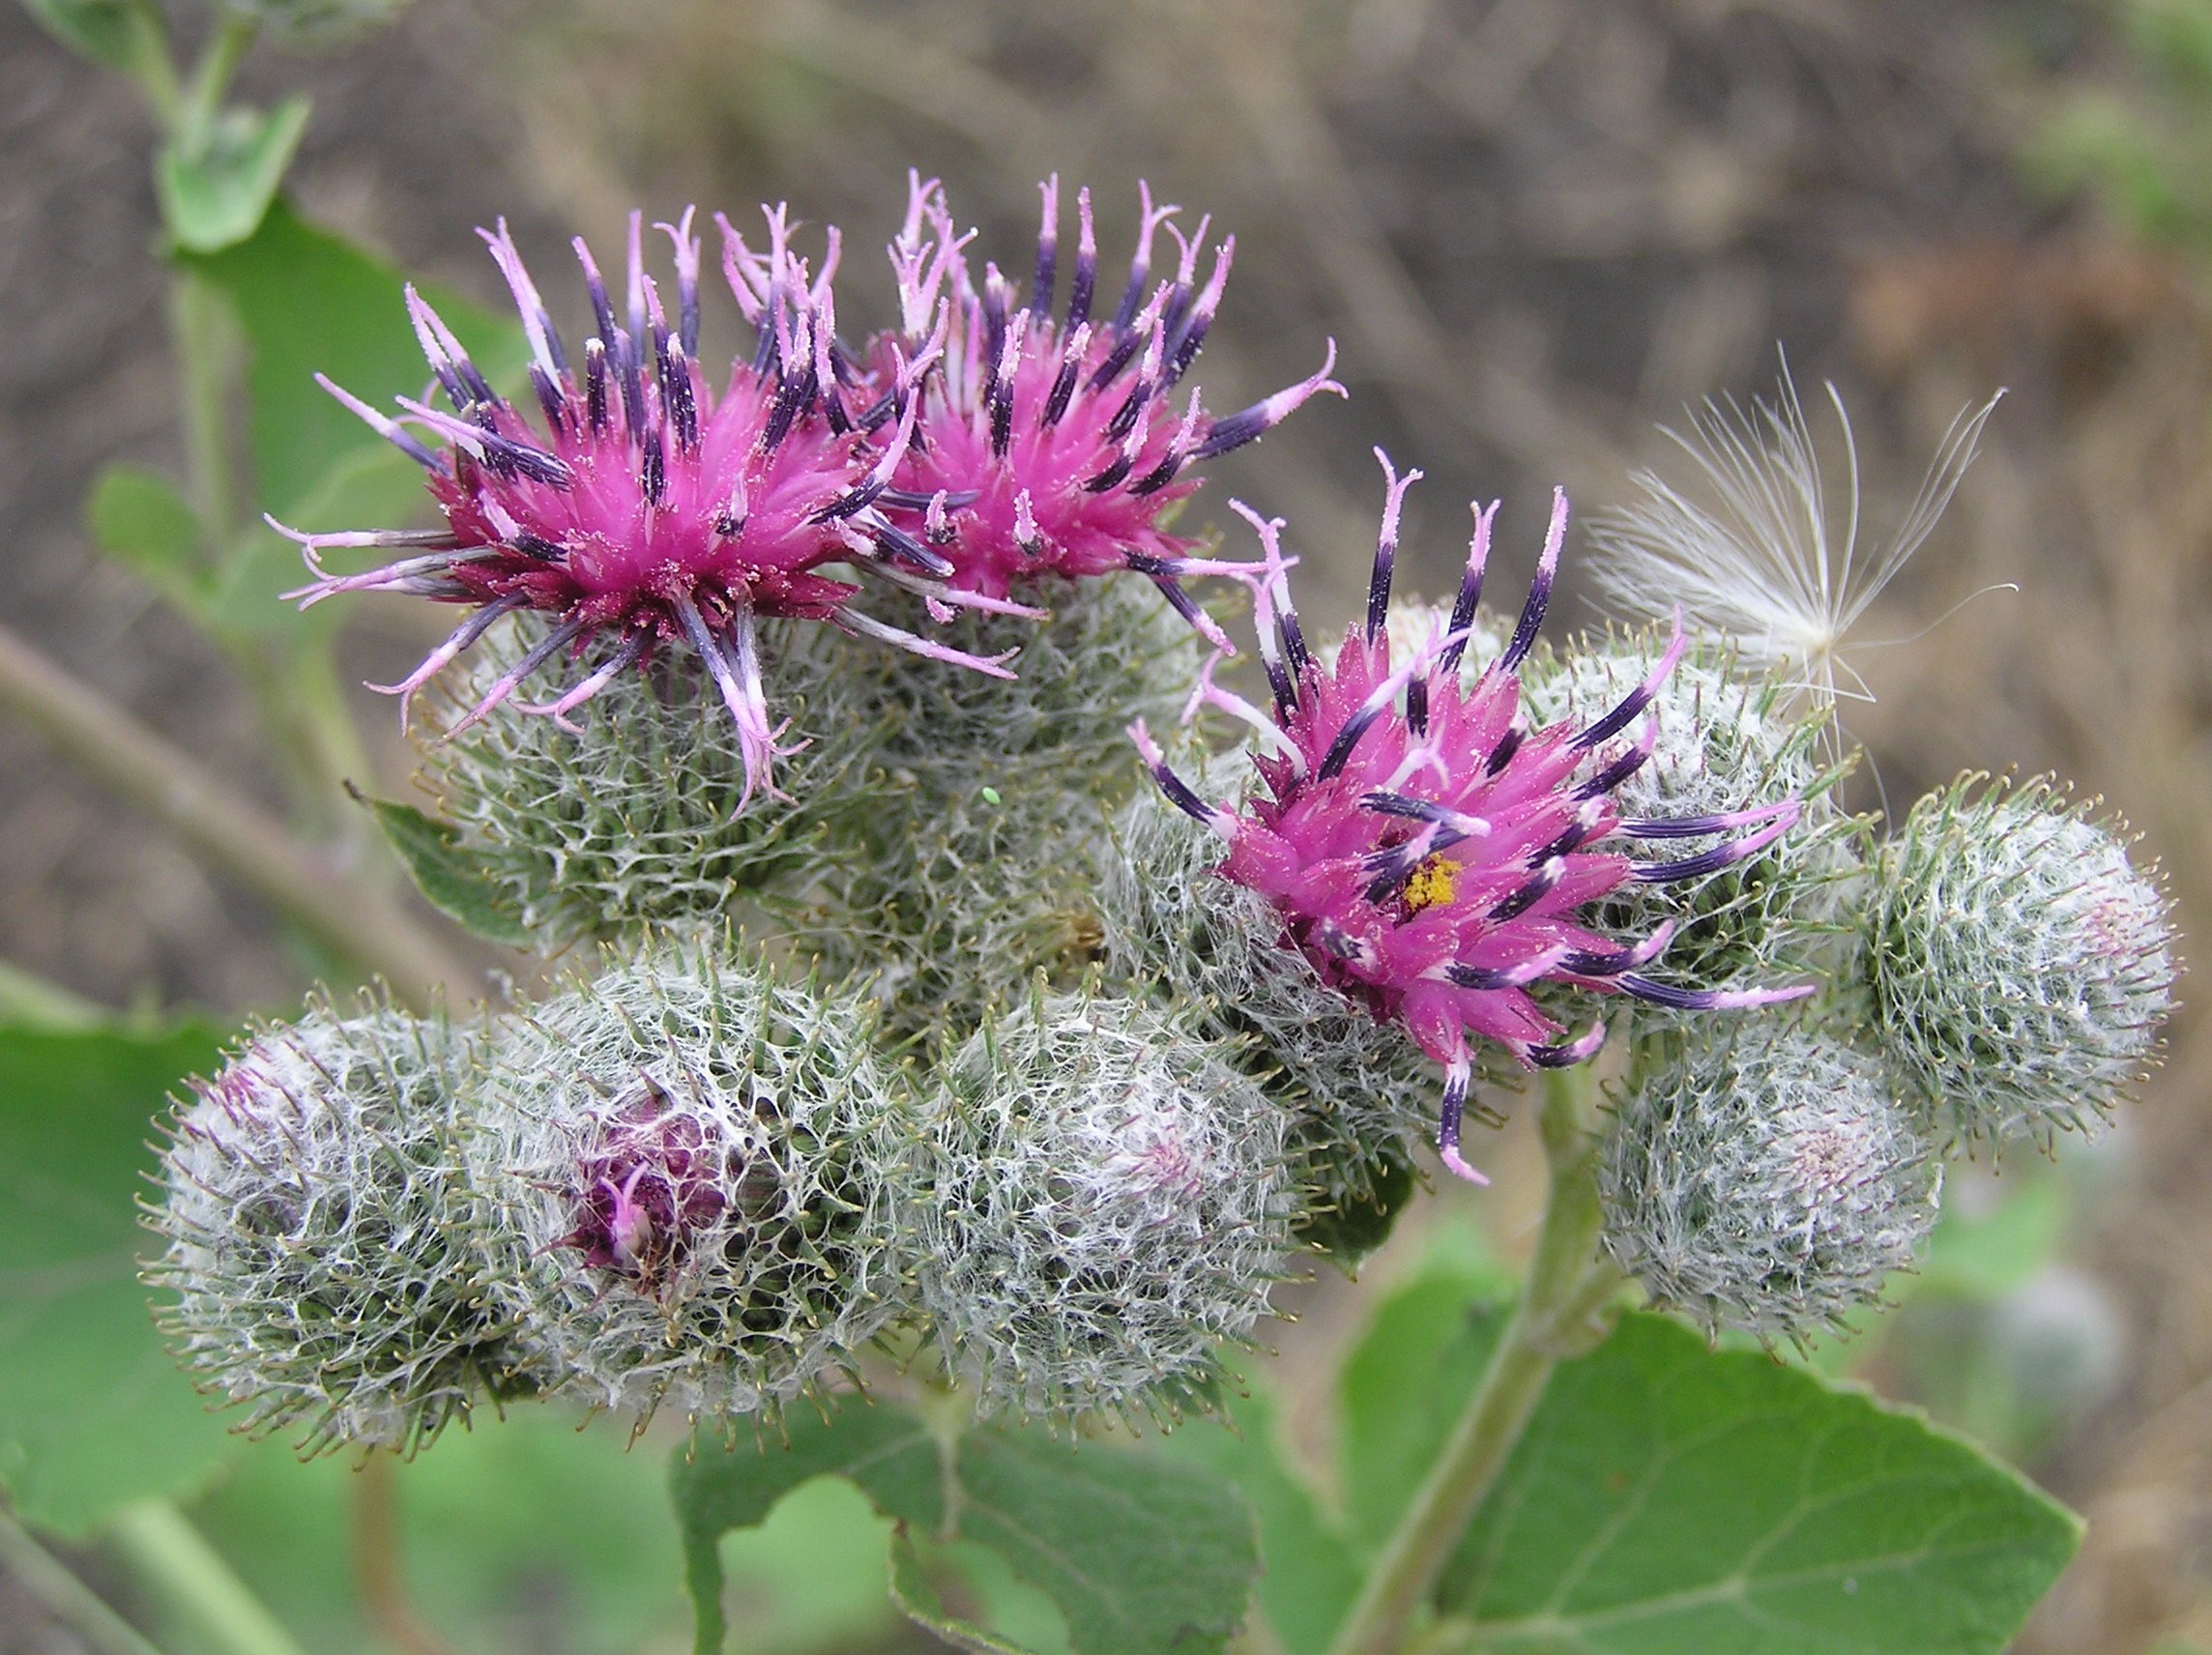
(1763, 1179)
(633, 818)
(1726, 741)
(2019, 965)
(977, 872)
(1103, 1201)
(324, 1269)
(710, 1073)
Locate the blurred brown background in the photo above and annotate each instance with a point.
(1534, 228)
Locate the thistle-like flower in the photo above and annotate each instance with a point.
(1357, 1091)
(1426, 849)
(1059, 432)
(649, 512)
(1754, 551)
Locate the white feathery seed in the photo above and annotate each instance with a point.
(1759, 547)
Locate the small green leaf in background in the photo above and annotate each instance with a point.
(310, 303)
(495, 1575)
(1995, 1234)
(94, 1414)
(451, 877)
(1141, 1554)
(139, 518)
(1669, 1498)
(104, 32)
(916, 1599)
(216, 197)
(887, 1453)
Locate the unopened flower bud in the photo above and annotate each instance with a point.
(683, 1163)
(995, 803)
(324, 1269)
(2021, 965)
(1720, 742)
(1767, 1182)
(1106, 1200)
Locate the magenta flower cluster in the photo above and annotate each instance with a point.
(981, 441)
(1427, 849)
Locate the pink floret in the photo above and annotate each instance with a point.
(641, 508)
(1427, 850)
(1058, 435)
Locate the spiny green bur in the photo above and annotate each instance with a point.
(1360, 1096)
(324, 1271)
(2021, 965)
(979, 871)
(1104, 1200)
(1763, 1180)
(632, 817)
(683, 1168)
(1726, 741)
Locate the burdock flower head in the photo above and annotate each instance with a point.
(651, 512)
(1061, 433)
(1426, 848)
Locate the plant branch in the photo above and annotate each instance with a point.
(211, 79)
(67, 1598)
(149, 64)
(196, 1582)
(202, 335)
(379, 1560)
(1567, 1286)
(209, 814)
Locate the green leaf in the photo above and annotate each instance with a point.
(1994, 1235)
(217, 197)
(94, 1414)
(887, 1453)
(138, 518)
(916, 1599)
(529, 1535)
(106, 32)
(311, 302)
(1311, 1573)
(451, 878)
(1141, 1555)
(1667, 1497)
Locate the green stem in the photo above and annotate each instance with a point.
(212, 816)
(203, 340)
(380, 1561)
(211, 79)
(1567, 1287)
(149, 64)
(193, 1581)
(67, 1598)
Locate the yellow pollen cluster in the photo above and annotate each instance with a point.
(1435, 881)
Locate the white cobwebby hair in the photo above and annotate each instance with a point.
(1760, 557)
